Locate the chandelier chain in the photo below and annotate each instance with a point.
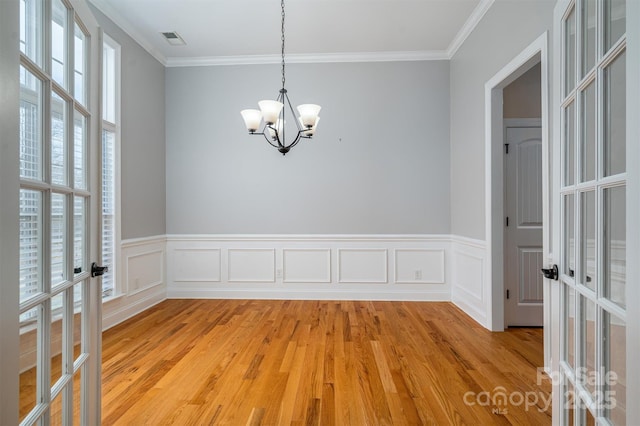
(282, 38)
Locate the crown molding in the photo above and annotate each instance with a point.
(469, 25)
(435, 55)
(130, 29)
(399, 56)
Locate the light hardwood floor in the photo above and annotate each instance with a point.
(250, 362)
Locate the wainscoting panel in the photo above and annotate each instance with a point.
(420, 266)
(468, 286)
(144, 270)
(306, 265)
(362, 266)
(197, 265)
(323, 267)
(140, 279)
(252, 265)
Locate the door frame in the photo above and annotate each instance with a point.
(536, 52)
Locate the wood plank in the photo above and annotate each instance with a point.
(252, 362)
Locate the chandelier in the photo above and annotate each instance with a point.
(273, 114)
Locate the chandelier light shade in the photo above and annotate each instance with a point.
(270, 118)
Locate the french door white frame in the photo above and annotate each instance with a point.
(90, 360)
(633, 209)
(632, 314)
(9, 208)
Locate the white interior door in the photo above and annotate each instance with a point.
(523, 227)
(60, 301)
(591, 301)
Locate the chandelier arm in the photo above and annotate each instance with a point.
(267, 138)
(293, 113)
(296, 140)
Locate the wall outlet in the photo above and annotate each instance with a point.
(278, 273)
(417, 275)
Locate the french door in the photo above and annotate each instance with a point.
(60, 300)
(593, 307)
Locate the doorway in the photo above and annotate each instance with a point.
(523, 259)
(535, 53)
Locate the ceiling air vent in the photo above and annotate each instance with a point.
(173, 38)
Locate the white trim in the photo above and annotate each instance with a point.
(116, 128)
(311, 237)
(316, 58)
(114, 317)
(494, 127)
(133, 242)
(468, 27)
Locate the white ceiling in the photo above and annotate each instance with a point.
(248, 31)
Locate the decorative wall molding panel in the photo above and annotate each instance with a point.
(323, 267)
(469, 288)
(140, 279)
(355, 267)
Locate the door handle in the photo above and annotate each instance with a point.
(97, 271)
(551, 273)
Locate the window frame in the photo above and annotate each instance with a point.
(118, 289)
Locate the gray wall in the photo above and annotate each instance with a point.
(379, 163)
(508, 27)
(143, 136)
(522, 97)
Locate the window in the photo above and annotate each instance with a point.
(110, 164)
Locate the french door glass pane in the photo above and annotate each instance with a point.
(588, 239)
(79, 151)
(79, 235)
(570, 52)
(570, 402)
(569, 325)
(77, 398)
(58, 238)
(570, 144)
(588, 28)
(57, 345)
(59, 42)
(108, 210)
(615, 384)
(78, 295)
(586, 372)
(58, 139)
(79, 66)
(28, 361)
(615, 116)
(30, 37)
(56, 410)
(587, 418)
(30, 243)
(30, 125)
(615, 21)
(614, 259)
(569, 236)
(588, 133)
